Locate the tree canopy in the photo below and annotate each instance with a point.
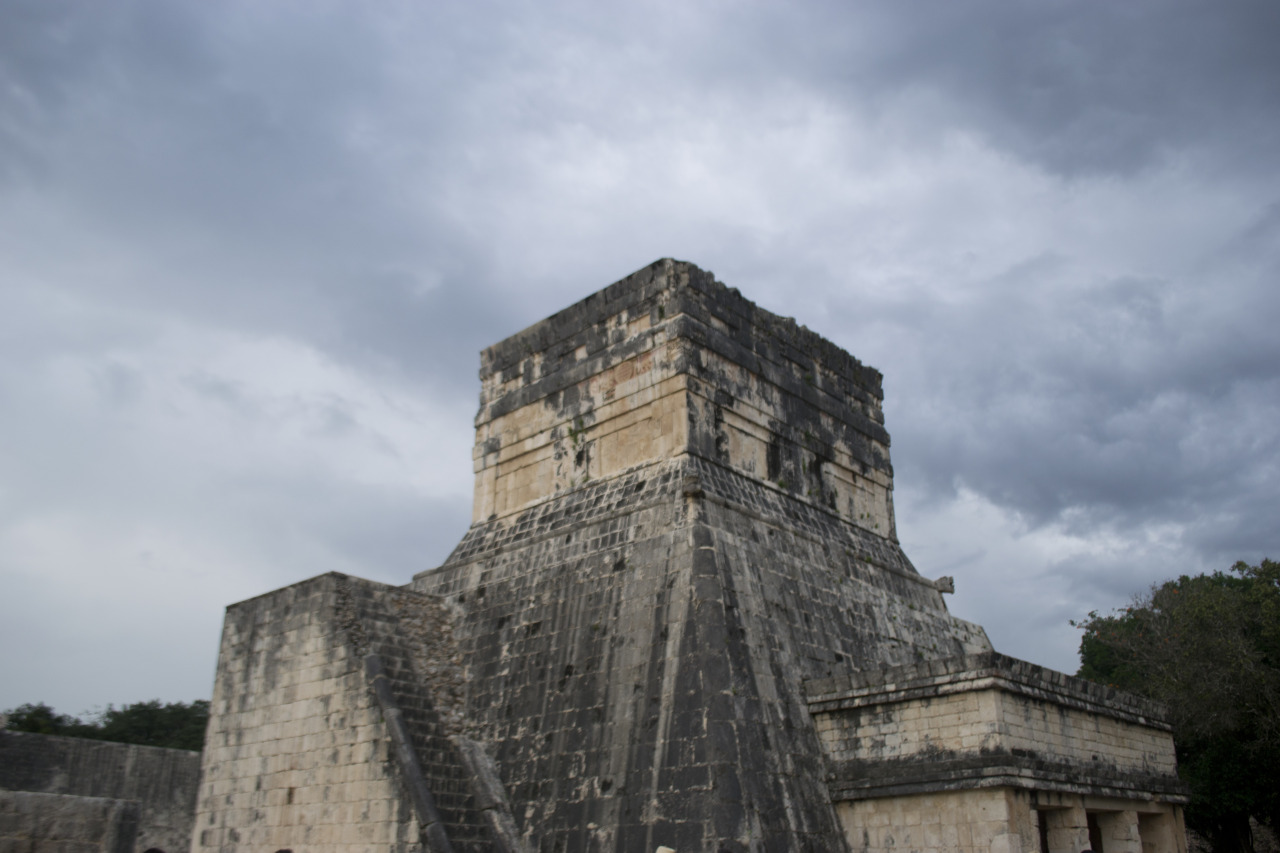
(1208, 647)
(176, 725)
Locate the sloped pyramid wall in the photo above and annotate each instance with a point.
(683, 510)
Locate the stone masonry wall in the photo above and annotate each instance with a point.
(161, 782)
(669, 361)
(988, 719)
(683, 553)
(412, 634)
(992, 720)
(63, 823)
(297, 753)
(683, 509)
(983, 820)
(636, 650)
(1006, 819)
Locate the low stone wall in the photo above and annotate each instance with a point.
(61, 823)
(160, 783)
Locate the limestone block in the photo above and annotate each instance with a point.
(1068, 828)
(1120, 832)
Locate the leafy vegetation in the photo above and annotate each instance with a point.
(177, 725)
(1209, 647)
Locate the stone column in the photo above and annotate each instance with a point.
(1068, 829)
(1120, 832)
(1162, 831)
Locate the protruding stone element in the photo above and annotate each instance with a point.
(945, 584)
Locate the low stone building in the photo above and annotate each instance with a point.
(681, 619)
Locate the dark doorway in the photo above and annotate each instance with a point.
(1042, 825)
(1095, 832)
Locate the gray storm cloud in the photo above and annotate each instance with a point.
(250, 252)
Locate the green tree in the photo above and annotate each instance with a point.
(1209, 648)
(42, 719)
(176, 725)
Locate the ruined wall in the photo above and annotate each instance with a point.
(683, 509)
(161, 784)
(298, 754)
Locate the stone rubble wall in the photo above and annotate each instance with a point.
(161, 783)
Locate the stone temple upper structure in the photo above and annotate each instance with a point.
(680, 620)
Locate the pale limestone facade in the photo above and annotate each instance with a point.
(1008, 820)
(998, 820)
(991, 753)
(633, 409)
(982, 717)
(296, 753)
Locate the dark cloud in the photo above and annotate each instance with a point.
(251, 250)
(1078, 89)
(1128, 397)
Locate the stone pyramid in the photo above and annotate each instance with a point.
(683, 510)
(680, 621)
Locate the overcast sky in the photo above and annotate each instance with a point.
(249, 252)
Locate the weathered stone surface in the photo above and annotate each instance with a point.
(299, 753)
(669, 362)
(160, 784)
(683, 510)
(33, 822)
(966, 821)
(985, 720)
(683, 554)
(952, 742)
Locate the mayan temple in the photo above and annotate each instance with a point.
(680, 621)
